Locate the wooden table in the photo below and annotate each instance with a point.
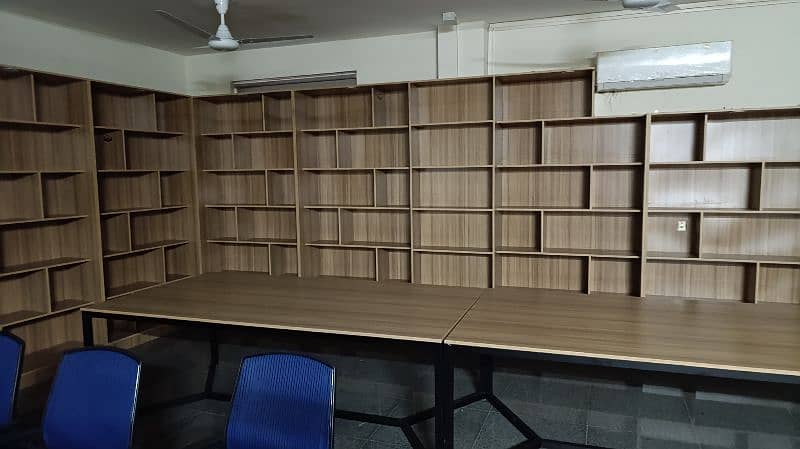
(731, 340)
(411, 315)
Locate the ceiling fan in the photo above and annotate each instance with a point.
(223, 40)
(648, 5)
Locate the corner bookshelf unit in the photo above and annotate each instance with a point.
(724, 215)
(49, 250)
(247, 183)
(144, 154)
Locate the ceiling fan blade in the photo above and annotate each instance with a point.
(668, 7)
(259, 40)
(186, 25)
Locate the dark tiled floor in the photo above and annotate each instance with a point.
(558, 402)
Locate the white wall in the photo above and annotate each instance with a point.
(377, 59)
(37, 45)
(765, 62)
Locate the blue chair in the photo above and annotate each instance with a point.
(282, 401)
(92, 401)
(11, 350)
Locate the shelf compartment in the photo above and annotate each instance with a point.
(65, 194)
(753, 136)
(28, 147)
(751, 237)
(179, 262)
(451, 101)
(394, 265)
(235, 188)
(597, 141)
(115, 233)
(519, 144)
(267, 225)
(379, 228)
(152, 229)
(457, 270)
(615, 276)
(704, 187)
(16, 89)
(216, 152)
(544, 187)
(453, 230)
(705, 280)
(317, 149)
(263, 151)
(391, 188)
(145, 151)
(24, 247)
(781, 188)
(125, 191)
(352, 188)
(779, 283)
(176, 188)
(45, 343)
(220, 223)
(109, 146)
(342, 262)
(278, 111)
(592, 232)
(390, 105)
(462, 188)
(230, 114)
(453, 145)
(280, 188)
(616, 187)
(237, 257)
(677, 138)
(664, 239)
(173, 113)
(283, 260)
(518, 231)
(60, 99)
(546, 272)
(321, 226)
(544, 95)
(71, 286)
(334, 108)
(25, 296)
(20, 195)
(134, 272)
(123, 107)
(373, 148)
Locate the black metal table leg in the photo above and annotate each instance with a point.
(443, 403)
(88, 329)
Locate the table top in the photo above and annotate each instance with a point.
(392, 310)
(754, 338)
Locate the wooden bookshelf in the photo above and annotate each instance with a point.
(143, 143)
(248, 183)
(732, 178)
(49, 231)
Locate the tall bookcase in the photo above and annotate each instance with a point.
(49, 250)
(247, 164)
(733, 179)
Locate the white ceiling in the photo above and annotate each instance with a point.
(134, 20)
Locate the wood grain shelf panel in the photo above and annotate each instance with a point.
(545, 95)
(727, 281)
(704, 187)
(449, 101)
(33, 124)
(334, 108)
(230, 113)
(372, 148)
(542, 271)
(17, 88)
(452, 269)
(599, 140)
(677, 139)
(546, 187)
(759, 136)
(11, 270)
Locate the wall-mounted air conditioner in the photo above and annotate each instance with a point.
(297, 82)
(707, 64)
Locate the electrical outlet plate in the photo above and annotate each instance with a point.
(681, 225)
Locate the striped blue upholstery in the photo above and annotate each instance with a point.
(11, 349)
(282, 401)
(92, 401)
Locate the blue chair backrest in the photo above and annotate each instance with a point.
(282, 401)
(92, 401)
(11, 350)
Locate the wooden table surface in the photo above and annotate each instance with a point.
(337, 306)
(756, 338)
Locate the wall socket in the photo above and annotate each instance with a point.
(681, 225)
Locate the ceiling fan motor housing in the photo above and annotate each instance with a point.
(633, 3)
